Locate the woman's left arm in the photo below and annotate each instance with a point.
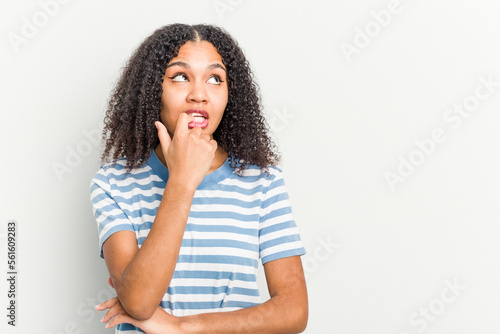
(285, 312)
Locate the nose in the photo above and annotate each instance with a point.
(198, 92)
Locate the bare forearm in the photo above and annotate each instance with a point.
(277, 315)
(148, 275)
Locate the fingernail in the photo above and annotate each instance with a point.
(102, 319)
(97, 306)
(107, 326)
(156, 125)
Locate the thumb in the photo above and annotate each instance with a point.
(163, 136)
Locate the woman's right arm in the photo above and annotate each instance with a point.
(141, 276)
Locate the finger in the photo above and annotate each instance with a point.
(196, 131)
(120, 319)
(163, 135)
(214, 145)
(113, 311)
(182, 123)
(110, 282)
(107, 304)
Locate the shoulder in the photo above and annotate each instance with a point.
(107, 170)
(266, 177)
(117, 173)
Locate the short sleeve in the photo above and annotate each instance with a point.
(278, 234)
(109, 216)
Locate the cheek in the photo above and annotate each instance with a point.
(169, 101)
(222, 99)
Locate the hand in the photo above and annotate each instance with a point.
(160, 322)
(189, 153)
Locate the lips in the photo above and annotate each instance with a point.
(200, 118)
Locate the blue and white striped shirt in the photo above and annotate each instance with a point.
(234, 221)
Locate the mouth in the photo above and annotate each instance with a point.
(200, 118)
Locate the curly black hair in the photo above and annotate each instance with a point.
(135, 102)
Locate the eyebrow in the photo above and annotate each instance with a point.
(186, 65)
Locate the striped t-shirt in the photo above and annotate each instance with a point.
(234, 221)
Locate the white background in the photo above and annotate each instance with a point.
(378, 258)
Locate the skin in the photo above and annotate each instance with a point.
(141, 276)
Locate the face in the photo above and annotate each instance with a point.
(195, 83)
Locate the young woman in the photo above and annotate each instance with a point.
(192, 198)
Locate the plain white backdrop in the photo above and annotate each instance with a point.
(387, 117)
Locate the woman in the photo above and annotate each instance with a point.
(185, 211)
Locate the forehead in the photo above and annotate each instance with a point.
(198, 52)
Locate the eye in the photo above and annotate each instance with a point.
(179, 77)
(215, 79)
